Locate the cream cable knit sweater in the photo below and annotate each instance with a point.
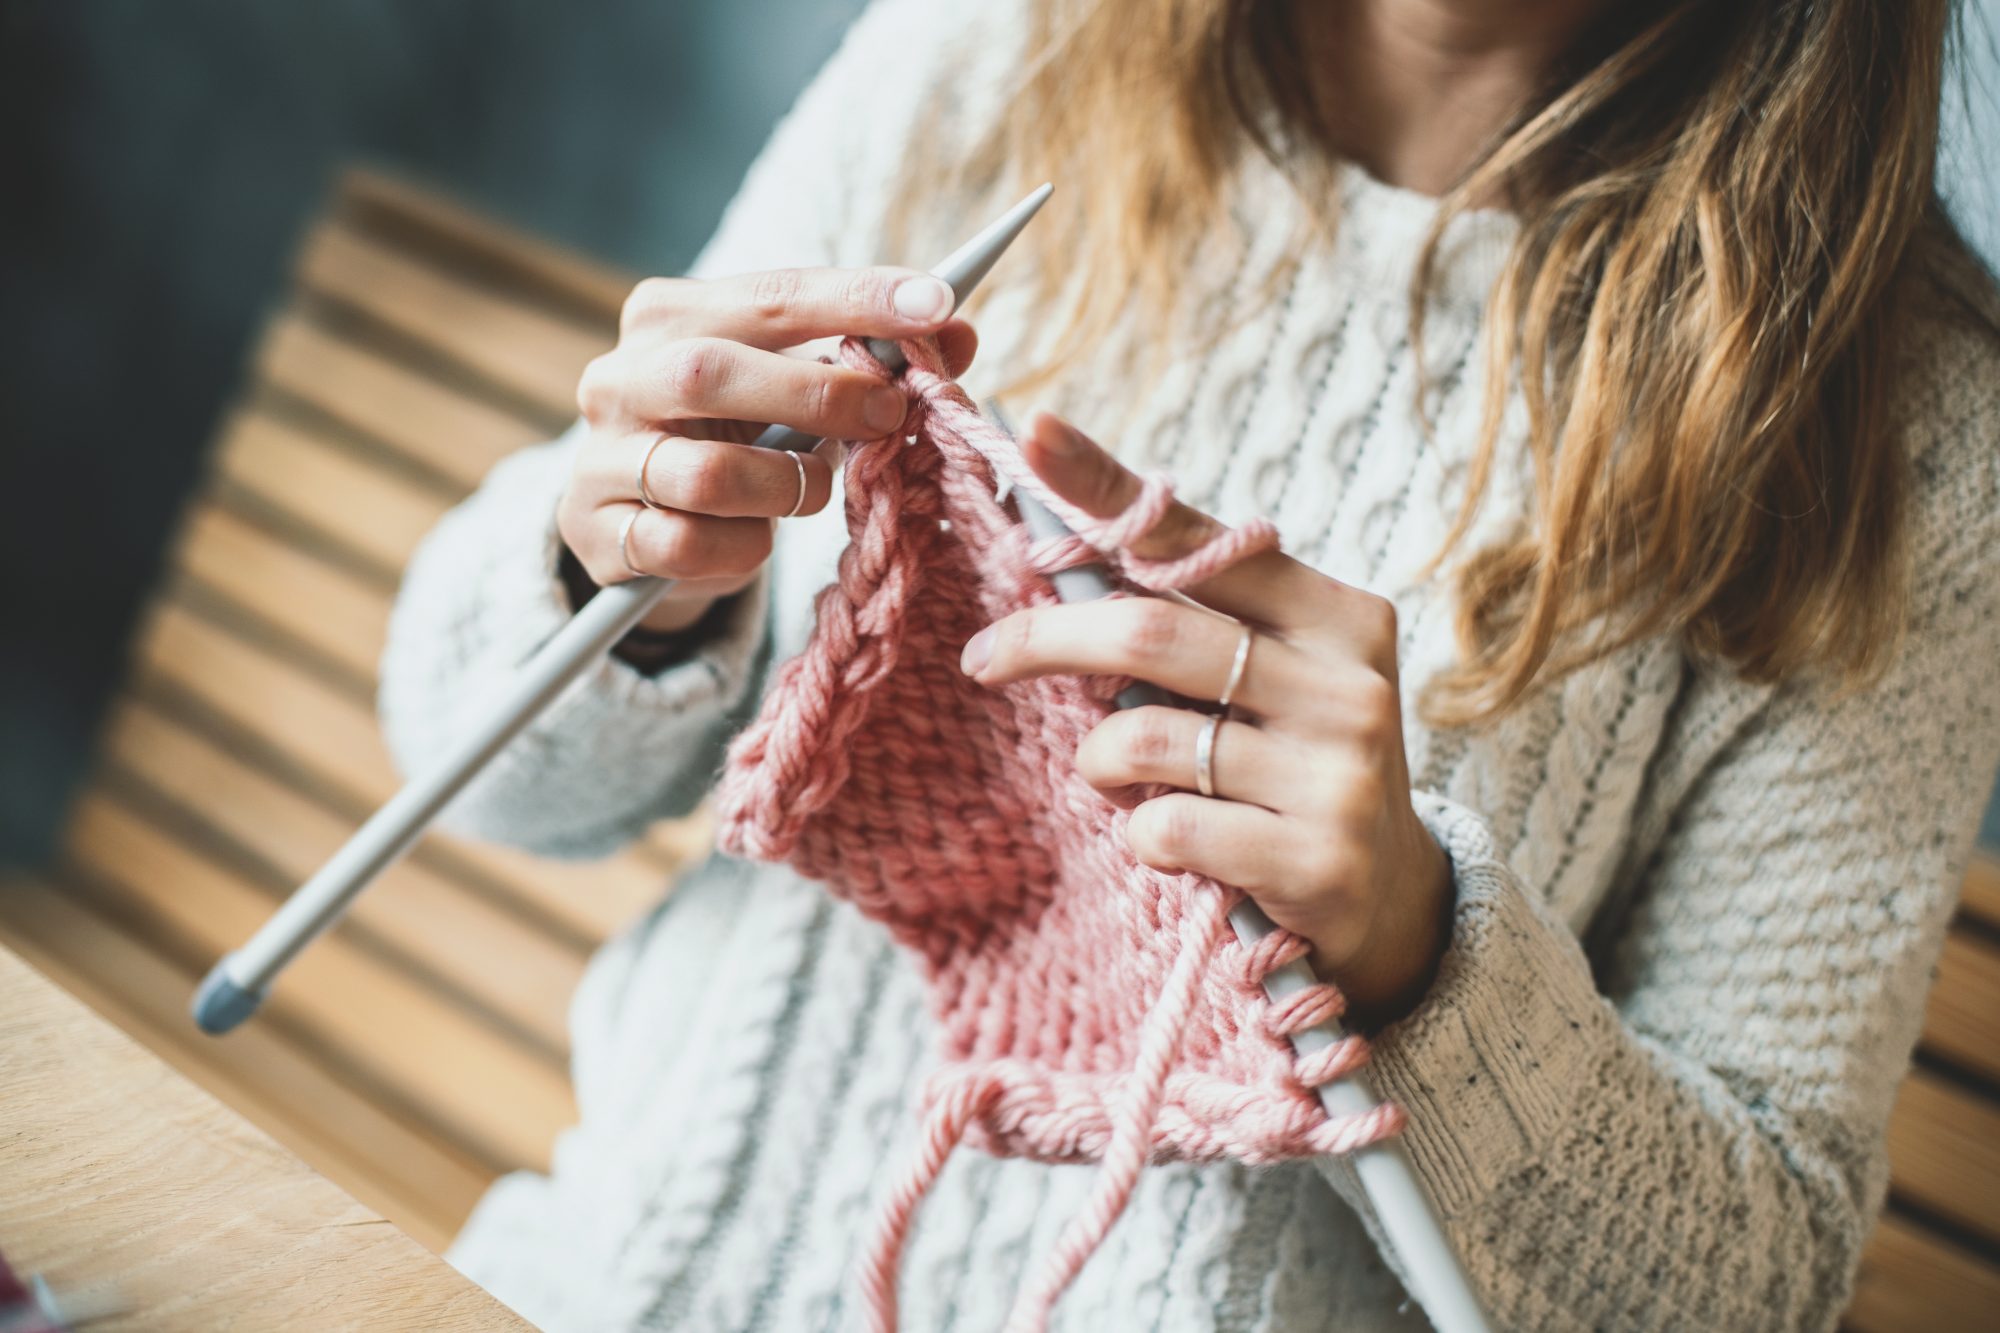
(1696, 917)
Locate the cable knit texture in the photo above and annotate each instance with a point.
(1089, 1006)
(1696, 916)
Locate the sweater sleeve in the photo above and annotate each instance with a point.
(622, 748)
(1695, 1138)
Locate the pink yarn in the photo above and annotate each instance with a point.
(1091, 1008)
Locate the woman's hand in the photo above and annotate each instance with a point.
(702, 365)
(1311, 814)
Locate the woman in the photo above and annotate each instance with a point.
(1622, 355)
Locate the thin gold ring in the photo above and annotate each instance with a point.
(646, 496)
(625, 542)
(1204, 755)
(1236, 669)
(799, 462)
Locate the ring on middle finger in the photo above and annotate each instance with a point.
(1204, 754)
(646, 495)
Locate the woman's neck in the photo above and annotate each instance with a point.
(1411, 90)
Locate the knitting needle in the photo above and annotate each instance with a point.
(1408, 1217)
(238, 983)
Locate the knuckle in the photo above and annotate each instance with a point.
(1154, 629)
(596, 388)
(703, 483)
(1373, 710)
(649, 297)
(863, 290)
(695, 368)
(1377, 616)
(823, 398)
(1149, 741)
(572, 522)
(777, 293)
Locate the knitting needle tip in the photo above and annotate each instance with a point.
(966, 265)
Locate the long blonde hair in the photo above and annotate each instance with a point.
(1716, 203)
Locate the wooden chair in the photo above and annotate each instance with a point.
(420, 1049)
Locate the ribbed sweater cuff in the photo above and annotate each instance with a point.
(1486, 1064)
(523, 602)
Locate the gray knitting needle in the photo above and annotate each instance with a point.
(238, 983)
(1409, 1219)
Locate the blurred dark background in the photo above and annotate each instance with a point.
(157, 162)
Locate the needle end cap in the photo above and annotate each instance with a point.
(221, 1004)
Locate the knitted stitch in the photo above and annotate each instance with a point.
(1091, 1008)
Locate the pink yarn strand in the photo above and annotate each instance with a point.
(942, 1130)
(1132, 1136)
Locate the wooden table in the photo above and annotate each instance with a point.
(120, 1178)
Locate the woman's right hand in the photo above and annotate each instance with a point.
(703, 364)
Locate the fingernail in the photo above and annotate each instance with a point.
(926, 298)
(978, 652)
(1059, 438)
(884, 409)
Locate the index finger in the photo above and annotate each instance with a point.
(1269, 589)
(784, 307)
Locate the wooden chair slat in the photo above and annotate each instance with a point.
(324, 728)
(1944, 1152)
(312, 481)
(403, 1170)
(473, 1083)
(1964, 1008)
(521, 350)
(333, 737)
(371, 200)
(1911, 1279)
(457, 437)
(292, 590)
(455, 932)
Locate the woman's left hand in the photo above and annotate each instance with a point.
(1311, 814)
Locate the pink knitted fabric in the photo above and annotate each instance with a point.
(1091, 1008)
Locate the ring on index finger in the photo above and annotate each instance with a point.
(800, 463)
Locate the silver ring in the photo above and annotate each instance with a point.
(646, 496)
(1204, 755)
(1236, 669)
(625, 542)
(800, 503)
